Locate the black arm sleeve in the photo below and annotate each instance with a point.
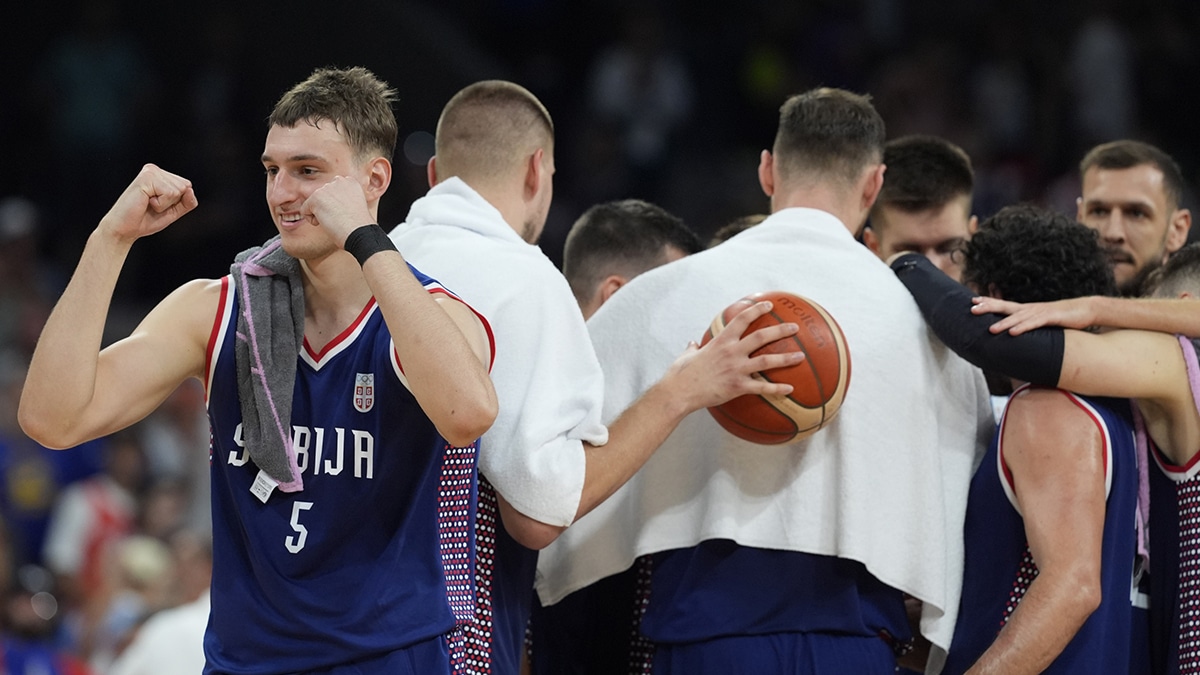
(1034, 357)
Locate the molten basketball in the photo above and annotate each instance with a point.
(819, 382)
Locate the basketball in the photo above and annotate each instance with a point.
(819, 382)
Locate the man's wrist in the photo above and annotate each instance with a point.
(366, 241)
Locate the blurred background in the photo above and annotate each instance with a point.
(665, 101)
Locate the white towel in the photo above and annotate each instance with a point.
(548, 382)
(885, 484)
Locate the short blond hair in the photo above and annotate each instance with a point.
(488, 128)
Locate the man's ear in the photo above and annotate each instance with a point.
(870, 239)
(610, 285)
(766, 173)
(431, 171)
(1177, 229)
(533, 173)
(872, 187)
(973, 225)
(379, 177)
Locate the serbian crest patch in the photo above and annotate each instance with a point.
(364, 392)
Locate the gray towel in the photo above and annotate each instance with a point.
(270, 332)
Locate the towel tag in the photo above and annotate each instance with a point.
(263, 486)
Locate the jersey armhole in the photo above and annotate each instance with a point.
(1005, 473)
(218, 334)
(434, 288)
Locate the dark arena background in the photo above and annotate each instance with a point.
(92, 89)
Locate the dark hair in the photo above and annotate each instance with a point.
(734, 227)
(359, 103)
(624, 237)
(829, 133)
(1181, 273)
(1126, 154)
(1031, 254)
(924, 172)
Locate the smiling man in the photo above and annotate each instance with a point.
(345, 392)
(1132, 194)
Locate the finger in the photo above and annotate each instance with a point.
(772, 361)
(742, 320)
(1023, 326)
(765, 388)
(1003, 324)
(765, 336)
(189, 200)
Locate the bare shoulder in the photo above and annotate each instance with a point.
(1048, 416)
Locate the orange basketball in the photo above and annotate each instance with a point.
(819, 382)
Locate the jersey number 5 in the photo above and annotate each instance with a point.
(296, 542)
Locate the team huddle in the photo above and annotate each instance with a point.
(434, 452)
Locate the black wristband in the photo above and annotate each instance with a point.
(366, 241)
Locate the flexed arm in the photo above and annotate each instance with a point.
(74, 392)
(442, 344)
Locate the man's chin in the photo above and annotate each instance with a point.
(1135, 283)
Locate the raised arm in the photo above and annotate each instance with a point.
(1056, 457)
(443, 346)
(75, 392)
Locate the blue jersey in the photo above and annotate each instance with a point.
(719, 607)
(1000, 568)
(375, 554)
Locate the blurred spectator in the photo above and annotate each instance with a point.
(33, 475)
(1100, 69)
(175, 437)
(139, 570)
(29, 619)
(26, 294)
(172, 641)
(90, 516)
(641, 88)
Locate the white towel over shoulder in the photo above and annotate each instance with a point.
(885, 484)
(548, 382)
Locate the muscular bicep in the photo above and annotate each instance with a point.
(471, 325)
(136, 374)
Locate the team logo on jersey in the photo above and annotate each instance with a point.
(364, 392)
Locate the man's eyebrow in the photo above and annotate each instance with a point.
(296, 158)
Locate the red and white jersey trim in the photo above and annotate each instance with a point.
(338, 344)
(1006, 478)
(487, 327)
(220, 329)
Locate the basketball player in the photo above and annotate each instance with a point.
(614, 242)
(925, 203)
(1132, 194)
(1160, 370)
(345, 391)
(776, 558)
(1051, 530)
(610, 244)
(548, 457)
